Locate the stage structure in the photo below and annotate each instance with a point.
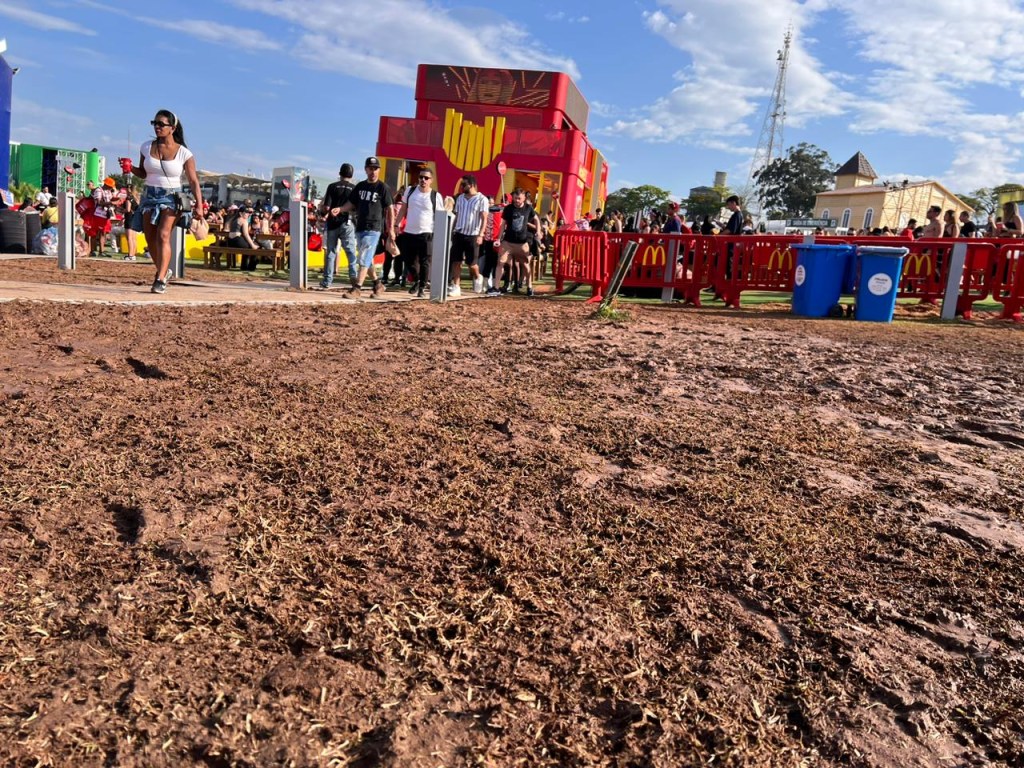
(508, 127)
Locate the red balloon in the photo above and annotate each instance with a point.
(286, 184)
(68, 169)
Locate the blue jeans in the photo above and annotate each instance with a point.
(367, 245)
(344, 237)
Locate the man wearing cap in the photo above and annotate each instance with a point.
(418, 208)
(373, 205)
(673, 224)
(340, 229)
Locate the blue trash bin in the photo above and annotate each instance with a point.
(878, 282)
(819, 277)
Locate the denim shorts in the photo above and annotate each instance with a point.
(366, 245)
(154, 201)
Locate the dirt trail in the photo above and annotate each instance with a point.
(503, 533)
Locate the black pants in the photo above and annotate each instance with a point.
(488, 259)
(416, 252)
(248, 262)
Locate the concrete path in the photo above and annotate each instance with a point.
(189, 292)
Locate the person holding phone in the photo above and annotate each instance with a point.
(162, 161)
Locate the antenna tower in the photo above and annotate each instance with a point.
(770, 145)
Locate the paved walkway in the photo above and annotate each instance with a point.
(188, 292)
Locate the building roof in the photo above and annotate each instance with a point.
(857, 165)
(892, 189)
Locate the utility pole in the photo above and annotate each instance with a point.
(770, 144)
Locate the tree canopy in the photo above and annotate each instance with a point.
(633, 200)
(788, 185)
(708, 203)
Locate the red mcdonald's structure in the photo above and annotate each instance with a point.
(470, 119)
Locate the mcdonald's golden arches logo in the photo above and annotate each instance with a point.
(654, 253)
(922, 258)
(785, 259)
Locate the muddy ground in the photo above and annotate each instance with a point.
(503, 533)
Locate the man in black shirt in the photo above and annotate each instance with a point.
(967, 227)
(373, 204)
(340, 230)
(519, 225)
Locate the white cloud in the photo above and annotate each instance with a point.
(212, 32)
(350, 38)
(45, 21)
(201, 29)
(938, 69)
(960, 55)
(979, 159)
(563, 16)
(724, 90)
(34, 112)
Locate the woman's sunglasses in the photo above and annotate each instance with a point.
(158, 124)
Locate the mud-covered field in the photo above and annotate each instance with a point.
(504, 533)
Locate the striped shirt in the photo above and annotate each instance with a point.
(467, 213)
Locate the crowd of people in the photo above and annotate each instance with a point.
(502, 243)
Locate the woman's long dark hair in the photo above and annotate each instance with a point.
(179, 132)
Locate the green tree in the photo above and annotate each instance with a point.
(633, 200)
(23, 191)
(706, 204)
(788, 185)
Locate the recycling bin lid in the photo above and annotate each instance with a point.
(882, 250)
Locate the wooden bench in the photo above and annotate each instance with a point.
(278, 255)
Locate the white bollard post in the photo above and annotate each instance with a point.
(66, 230)
(953, 279)
(178, 252)
(443, 224)
(671, 259)
(298, 228)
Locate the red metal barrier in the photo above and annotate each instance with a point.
(754, 263)
(581, 256)
(1007, 276)
(688, 264)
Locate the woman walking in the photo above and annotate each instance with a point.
(162, 162)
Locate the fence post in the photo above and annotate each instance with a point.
(439, 249)
(953, 277)
(66, 258)
(178, 251)
(671, 259)
(298, 226)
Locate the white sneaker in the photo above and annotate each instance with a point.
(478, 284)
(454, 289)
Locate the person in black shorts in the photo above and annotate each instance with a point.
(470, 220)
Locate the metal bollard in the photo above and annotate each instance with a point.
(956, 272)
(178, 252)
(298, 227)
(443, 224)
(66, 231)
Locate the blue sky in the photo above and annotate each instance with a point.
(678, 90)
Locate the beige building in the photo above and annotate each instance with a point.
(857, 202)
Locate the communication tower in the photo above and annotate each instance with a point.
(770, 145)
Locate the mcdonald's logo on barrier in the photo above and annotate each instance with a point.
(656, 254)
(577, 252)
(917, 260)
(785, 258)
